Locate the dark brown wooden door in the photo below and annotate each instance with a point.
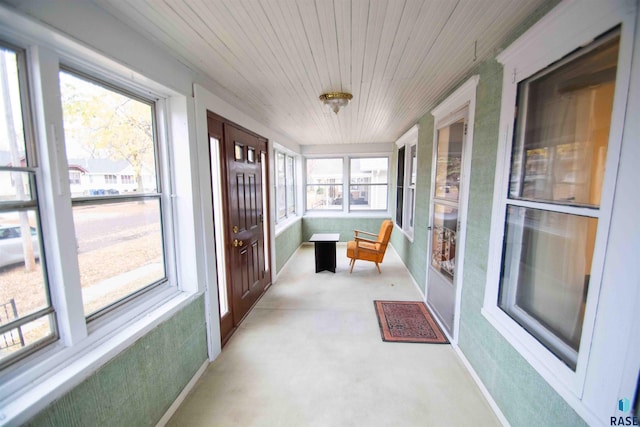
(244, 161)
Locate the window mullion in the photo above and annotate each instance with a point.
(53, 180)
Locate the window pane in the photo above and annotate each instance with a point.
(324, 196)
(400, 186)
(111, 151)
(323, 171)
(120, 250)
(547, 264)
(449, 161)
(265, 207)
(324, 184)
(21, 274)
(443, 239)
(281, 185)
(369, 197)
(23, 289)
(414, 165)
(369, 171)
(411, 200)
(291, 188)
(363, 173)
(18, 340)
(562, 129)
(12, 142)
(108, 136)
(15, 186)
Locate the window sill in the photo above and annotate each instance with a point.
(286, 223)
(352, 214)
(61, 369)
(407, 235)
(567, 383)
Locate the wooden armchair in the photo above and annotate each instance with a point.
(369, 246)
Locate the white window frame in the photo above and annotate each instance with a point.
(288, 216)
(408, 140)
(569, 26)
(345, 176)
(30, 384)
(349, 184)
(346, 184)
(31, 206)
(159, 195)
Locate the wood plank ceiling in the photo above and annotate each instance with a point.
(275, 57)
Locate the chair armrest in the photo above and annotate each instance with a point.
(356, 232)
(364, 239)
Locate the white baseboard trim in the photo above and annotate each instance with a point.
(183, 395)
(413, 280)
(274, 278)
(483, 389)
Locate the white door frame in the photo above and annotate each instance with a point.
(205, 100)
(444, 113)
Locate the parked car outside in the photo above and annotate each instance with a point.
(11, 245)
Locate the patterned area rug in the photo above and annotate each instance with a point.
(408, 321)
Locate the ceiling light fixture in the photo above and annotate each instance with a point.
(336, 100)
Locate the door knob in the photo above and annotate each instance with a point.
(237, 243)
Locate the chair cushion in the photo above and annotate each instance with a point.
(364, 255)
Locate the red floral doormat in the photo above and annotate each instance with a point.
(408, 321)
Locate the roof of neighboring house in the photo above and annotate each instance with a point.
(92, 166)
(99, 166)
(78, 168)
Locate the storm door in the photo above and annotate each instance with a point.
(445, 218)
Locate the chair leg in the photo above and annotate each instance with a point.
(353, 262)
(378, 266)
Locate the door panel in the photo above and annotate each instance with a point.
(445, 221)
(249, 276)
(243, 158)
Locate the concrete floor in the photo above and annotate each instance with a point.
(310, 354)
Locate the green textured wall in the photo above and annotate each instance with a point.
(522, 394)
(137, 386)
(524, 397)
(287, 242)
(299, 232)
(342, 225)
(414, 254)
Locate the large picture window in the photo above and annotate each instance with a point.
(114, 218)
(324, 184)
(368, 184)
(553, 206)
(363, 179)
(118, 223)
